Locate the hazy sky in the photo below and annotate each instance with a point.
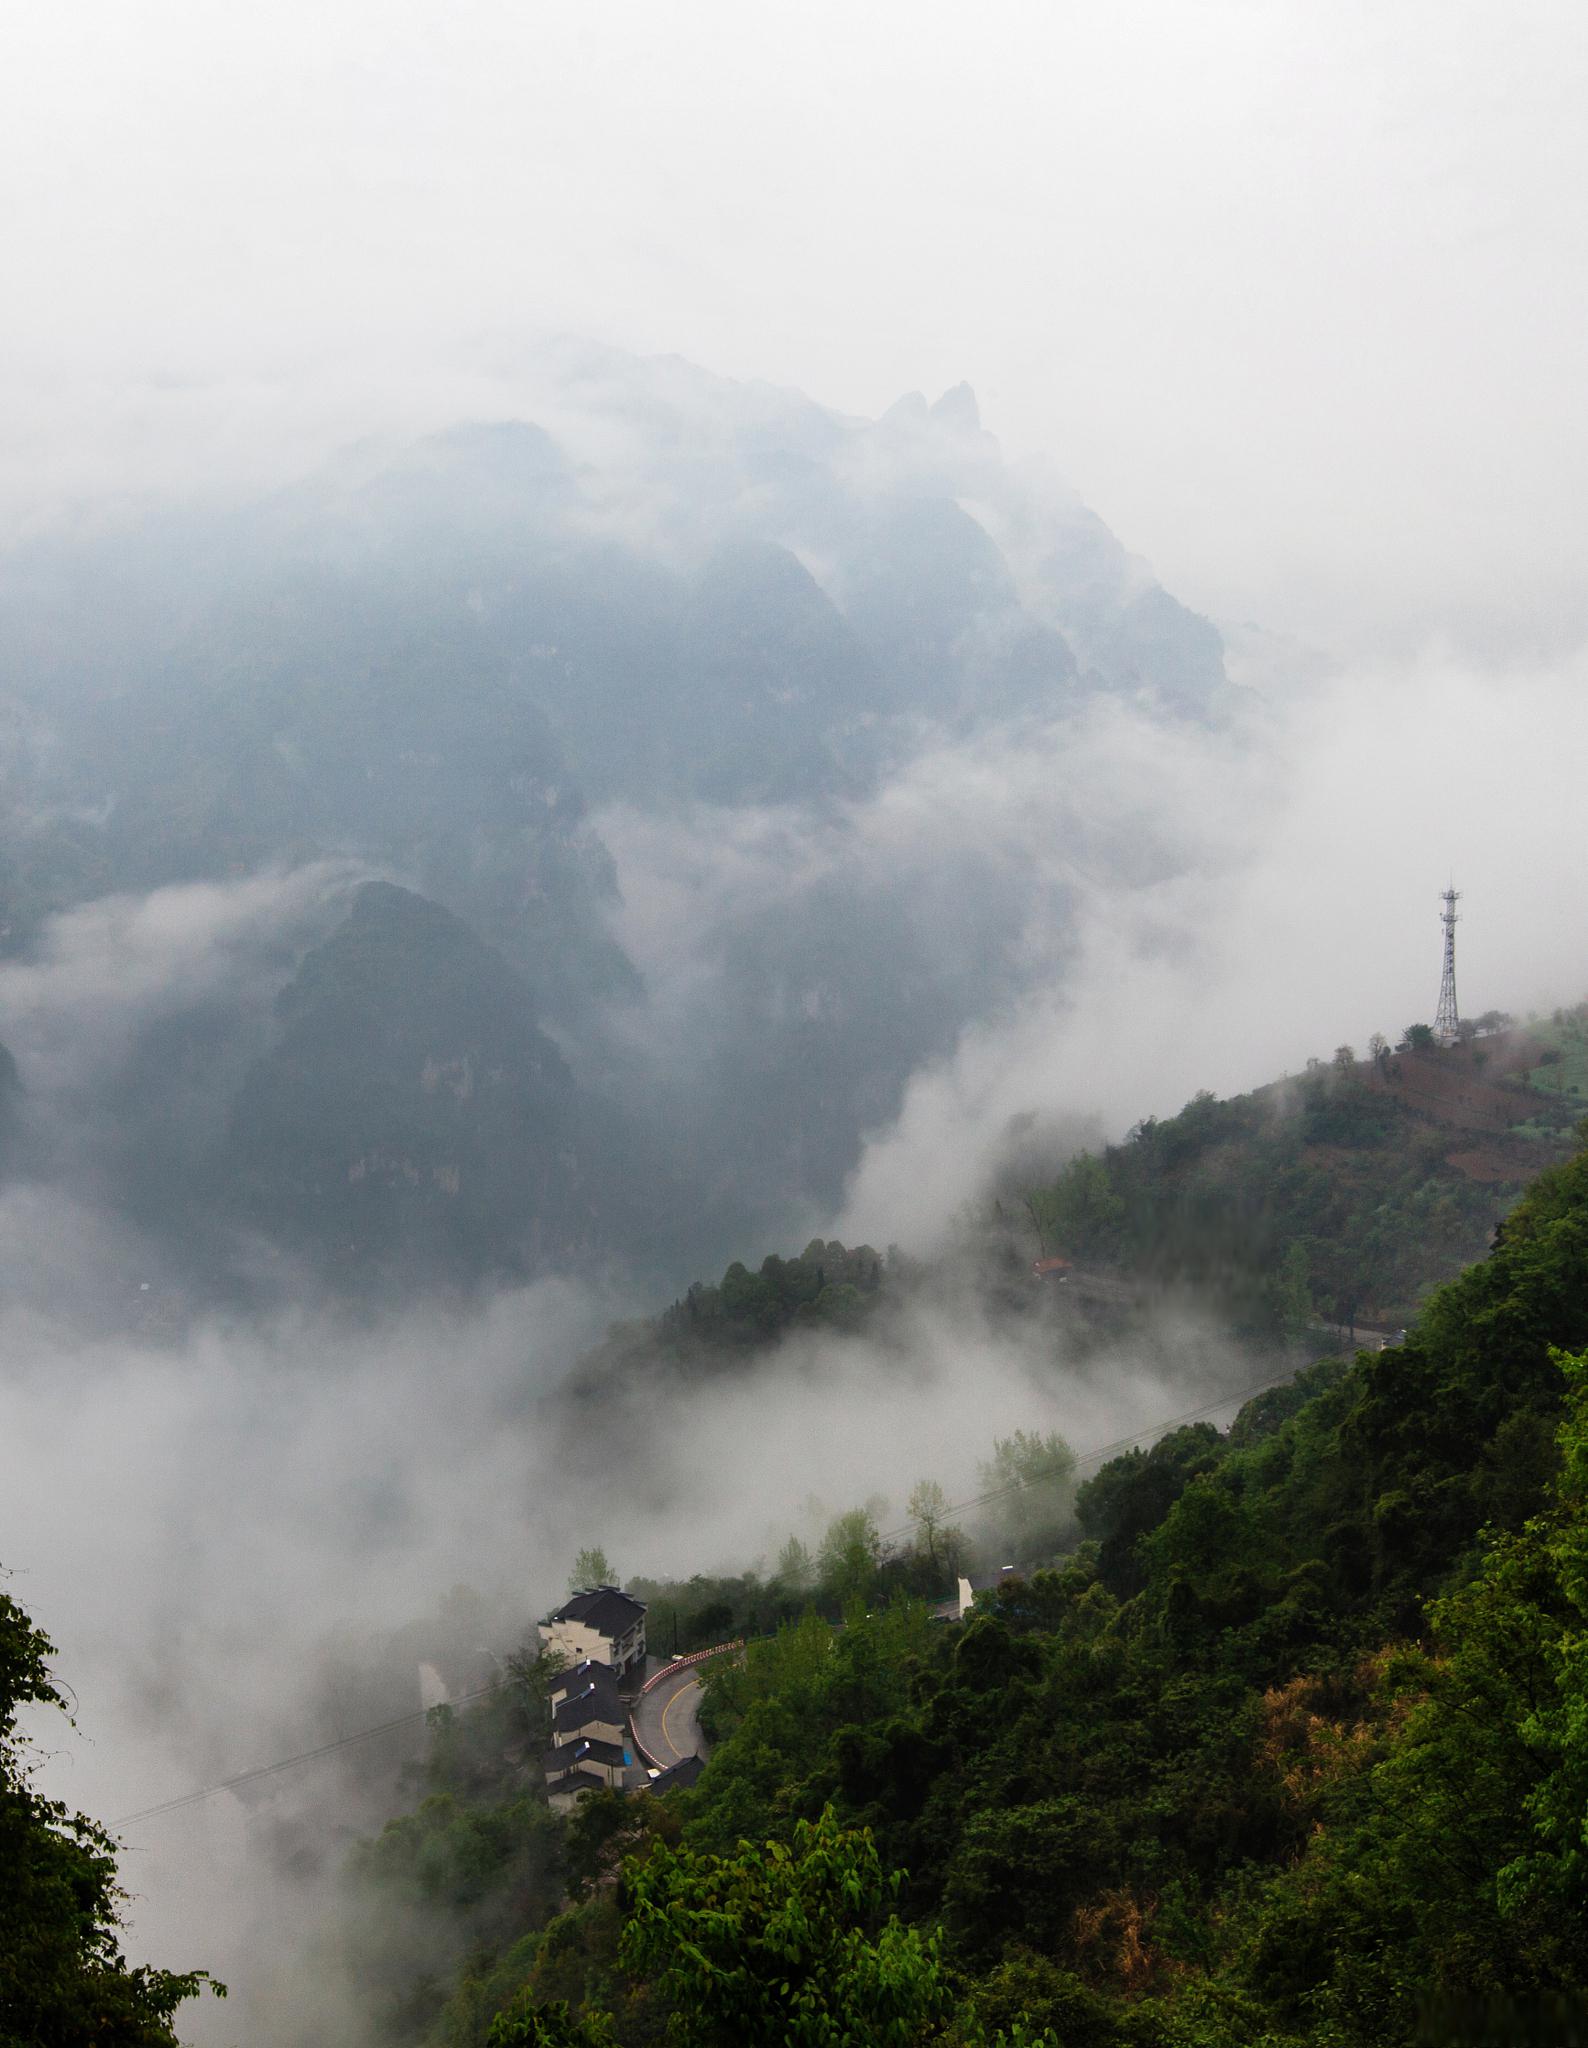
(1294, 295)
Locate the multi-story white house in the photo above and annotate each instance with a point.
(601, 1626)
(585, 1705)
(583, 1767)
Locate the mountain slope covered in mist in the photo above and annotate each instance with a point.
(411, 1112)
(1345, 1194)
(1338, 1198)
(548, 677)
(8, 1104)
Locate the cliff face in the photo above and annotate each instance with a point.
(412, 1115)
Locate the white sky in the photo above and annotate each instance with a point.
(1293, 294)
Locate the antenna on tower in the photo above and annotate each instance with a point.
(1447, 1021)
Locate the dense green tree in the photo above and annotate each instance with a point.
(527, 2024)
(64, 1982)
(1132, 1494)
(795, 1569)
(1444, 1892)
(1554, 1725)
(591, 1568)
(1030, 1479)
(1082, 1213)
(1293, 1309)
(940, 1539)
(795, 1942)
(849, 1557)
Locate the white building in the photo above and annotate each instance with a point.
(601, 1626)
(586, 1706)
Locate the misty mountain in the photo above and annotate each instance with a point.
(9, 1090)
(529, 671)
(412, 1109)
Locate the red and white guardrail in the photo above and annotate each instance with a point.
(667, 1670)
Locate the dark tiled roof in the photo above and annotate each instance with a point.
(592, 1703)
(683, 1774)
(579, 1676)
(593, 1752)
(557, 1762)
(604, 1609)
(586, 1677)
(579, 1781)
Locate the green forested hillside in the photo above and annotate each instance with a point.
(1292, 1750)
(1344, 1194)
(711, 1327)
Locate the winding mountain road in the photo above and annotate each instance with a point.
(666, 1719)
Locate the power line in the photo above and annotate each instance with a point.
(307, 1756)
(1060, 1468)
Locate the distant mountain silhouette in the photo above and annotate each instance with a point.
(470, 663)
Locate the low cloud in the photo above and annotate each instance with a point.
(1284, 900)
(1098, 915)
(226, 1529)
(228, 1535)
(76, 1009)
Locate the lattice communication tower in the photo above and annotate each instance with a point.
(1447, 1023)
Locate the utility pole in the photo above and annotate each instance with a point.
(1447, 1021)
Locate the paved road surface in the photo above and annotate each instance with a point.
(665, 1718)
